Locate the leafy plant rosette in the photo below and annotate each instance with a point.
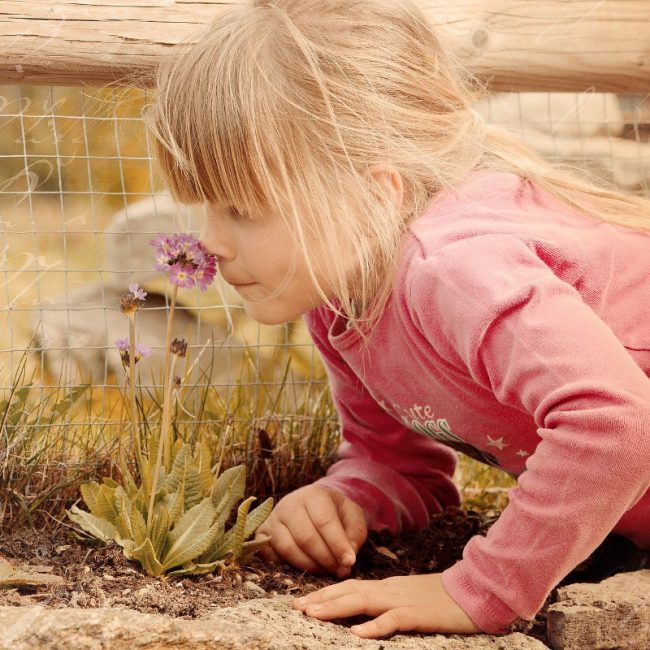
(173, 518)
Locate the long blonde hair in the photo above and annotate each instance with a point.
(283, 105)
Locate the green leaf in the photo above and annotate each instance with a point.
(191, 549)
(138, 525)
(203, 465)
(146, 555)
(248, 548)
(175, 503)
(123, 519)
(240, 527)
(183, 470)
(228, 488)
(257, 517)
(105, 506)
(223, 545)
(178, 470)
(189, 529)
(89, 492)
(160, 529)
(190, 568)
(98, 528)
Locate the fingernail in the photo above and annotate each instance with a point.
(315, 608)
(348, 559)
(301, 602)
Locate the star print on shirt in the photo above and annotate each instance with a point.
(497, 442)
(522, 453)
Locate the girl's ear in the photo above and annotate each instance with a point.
(390, 180)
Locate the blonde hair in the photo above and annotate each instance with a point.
(283, 105)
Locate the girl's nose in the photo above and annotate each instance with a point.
(217, 243)
(218, 249)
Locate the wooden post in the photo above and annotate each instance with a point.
(519, 45)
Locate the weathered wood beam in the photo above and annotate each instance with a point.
(511, 44)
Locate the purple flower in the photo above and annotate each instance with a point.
(182, 275)
(122, 345)
(141, 351)
(138, 294)
(185, 259)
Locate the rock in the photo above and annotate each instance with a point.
(27, 628)
(614, 613)
(264, 623)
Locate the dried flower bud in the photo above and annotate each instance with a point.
(131, 300)
(178, 347)
(129, 303)
(177, 381)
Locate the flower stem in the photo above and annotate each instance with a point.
(135, 429)
(159, 461)
(166, 431)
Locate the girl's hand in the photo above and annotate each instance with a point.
(403, 603)
(317, 529)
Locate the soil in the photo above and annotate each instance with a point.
(100, 576)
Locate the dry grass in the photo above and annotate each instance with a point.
(53, 441)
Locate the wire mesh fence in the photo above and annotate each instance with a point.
(80, 199)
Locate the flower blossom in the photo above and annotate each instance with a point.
(185, 259)
(142, 351)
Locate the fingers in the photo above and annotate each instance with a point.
(316, 529)
(354, 523)
(400, 619)
(417, 603)
(284, 546)
(337, 550)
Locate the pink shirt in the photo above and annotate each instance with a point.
(518, 332)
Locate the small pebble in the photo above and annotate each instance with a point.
(109, 577)
(126, 592)
(249, 585)
(61, 549)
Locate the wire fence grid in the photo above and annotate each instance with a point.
(80, 199)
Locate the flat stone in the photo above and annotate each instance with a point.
(263, 624)
(614, 613)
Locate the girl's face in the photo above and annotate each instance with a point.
(260, 259)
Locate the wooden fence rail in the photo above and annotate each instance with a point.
(513, 44)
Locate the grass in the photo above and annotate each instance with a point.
(54, 440)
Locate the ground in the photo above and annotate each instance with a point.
(99, 576)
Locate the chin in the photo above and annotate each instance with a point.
(266, 316)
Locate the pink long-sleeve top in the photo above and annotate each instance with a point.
(518, 332)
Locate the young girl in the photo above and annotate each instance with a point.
(464, 294)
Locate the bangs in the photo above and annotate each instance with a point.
(213, 133)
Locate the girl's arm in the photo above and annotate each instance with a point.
(398, 477)
(528, 337)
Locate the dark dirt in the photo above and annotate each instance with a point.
(100, 576)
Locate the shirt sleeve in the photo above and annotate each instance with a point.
(498, 310)
(397, 476)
